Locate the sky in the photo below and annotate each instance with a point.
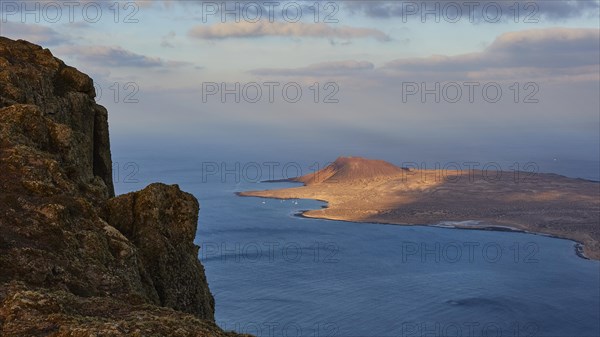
(404, 81)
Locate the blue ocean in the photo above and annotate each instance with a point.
(273, 273)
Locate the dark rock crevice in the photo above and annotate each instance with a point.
(74, 259)
(102, 165)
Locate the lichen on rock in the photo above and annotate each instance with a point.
(74, 259)
(161, 222)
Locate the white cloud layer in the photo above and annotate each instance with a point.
(299, 29)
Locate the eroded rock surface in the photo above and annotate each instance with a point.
(161, 222)
(74, 261)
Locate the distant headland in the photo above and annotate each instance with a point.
(365, 190)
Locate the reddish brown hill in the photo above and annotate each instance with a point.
(346, 169)
(363, 190)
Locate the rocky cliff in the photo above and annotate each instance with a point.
(74, 259)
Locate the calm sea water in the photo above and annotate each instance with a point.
(275, 274)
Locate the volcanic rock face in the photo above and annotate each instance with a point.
(79, 132)
(161, 222)
(73, 261)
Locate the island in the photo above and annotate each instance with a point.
(365, 190)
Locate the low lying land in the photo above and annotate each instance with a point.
(364, 190)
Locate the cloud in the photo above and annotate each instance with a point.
(299, 29)
(547, 48)
(547, 52)
(557, 10)
(545, 9)
(166, 41)
(37, 34)
(319, 69)
(112, 56)
(538, 54)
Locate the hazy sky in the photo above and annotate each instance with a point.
(372, 61)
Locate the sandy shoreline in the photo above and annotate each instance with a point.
(551, 205)
(577, 246)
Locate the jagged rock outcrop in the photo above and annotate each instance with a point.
(28, 311)
(161, 222)
(31, 75)
(73, 260)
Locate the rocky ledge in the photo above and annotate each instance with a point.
(74, 259)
